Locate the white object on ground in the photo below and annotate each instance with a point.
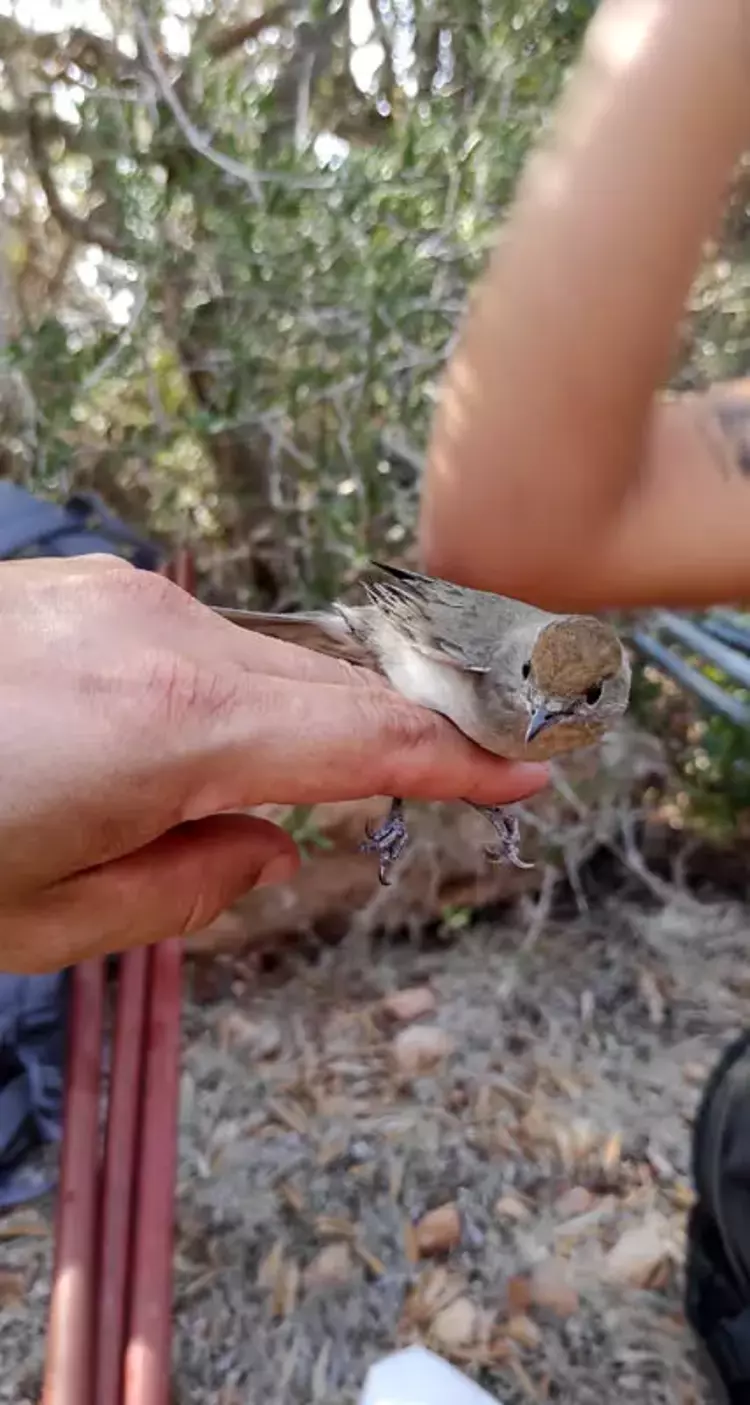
(418, 1377)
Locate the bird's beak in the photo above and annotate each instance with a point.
(541, 719)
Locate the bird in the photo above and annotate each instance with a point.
(519, 681)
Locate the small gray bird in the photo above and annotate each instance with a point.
(520, 682)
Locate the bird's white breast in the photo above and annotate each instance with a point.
(441, 687)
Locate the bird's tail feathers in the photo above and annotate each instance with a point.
(324, 631)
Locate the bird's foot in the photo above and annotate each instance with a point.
(388, 841)
(507, 829)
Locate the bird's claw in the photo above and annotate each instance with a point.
(508, 831)
(388, 841)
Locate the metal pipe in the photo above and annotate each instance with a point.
(68, 1375)
(118, 1180)
(729, 660)
(704, 688)
(148, 1346)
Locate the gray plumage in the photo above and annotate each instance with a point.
(488, 663)
(520, 682)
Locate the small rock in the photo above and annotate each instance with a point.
(411, 1004)
(12, 1287)
(521, 1329)
(510, 1207)
(456, 1325)
(438, 1231)
(550, 1287)
(330, 1268)
(660, 1165)
(518, 1294)
(262, 1038)
(421, 1049)
(682, 1196)
(639, 1253)
(575, 1201)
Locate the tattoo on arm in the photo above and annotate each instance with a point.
(725, 420)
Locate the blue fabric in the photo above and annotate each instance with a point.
(32, 1059)
(33, 1009)
(30, 526)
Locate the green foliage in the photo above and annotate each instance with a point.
(300, 823)
(309, 310)
(709, 755)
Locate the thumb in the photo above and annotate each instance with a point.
(175, 885)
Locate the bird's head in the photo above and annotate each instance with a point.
(575, 681)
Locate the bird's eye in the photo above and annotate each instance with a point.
(526, 670)
(593, 694)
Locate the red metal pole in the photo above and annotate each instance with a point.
(70, 1334)
(118, 1181)
(148, 1348)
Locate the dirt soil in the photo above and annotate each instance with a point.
(538, 1096)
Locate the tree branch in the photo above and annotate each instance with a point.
(201, 144)
(88, 51)
(230, 39)
(84, 229)
(190, 132)
(14, 122)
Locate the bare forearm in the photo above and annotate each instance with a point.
(543, 429)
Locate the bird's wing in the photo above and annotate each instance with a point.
(441, 620)
(325, 632)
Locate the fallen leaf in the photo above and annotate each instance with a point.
(290, 1114)
(551, 1288)
(420, 1049)
(652, 998)
(510, 1207)
(683, 1196)
(270, 1266)
(524, 1331)
(292, 1197)
(12, 1286)
(411, 1247)
(334, 1227)
(24, 1229)
(575, 1201)
(640, 1252)
(370, 1260)
(438, 1231)
(261, 1037)
(456, 1325)
(435, 1289)
(331, 1267)
(611, 1152)
(518, 1293)
(410, 1004)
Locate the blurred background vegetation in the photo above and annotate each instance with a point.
(235, 243)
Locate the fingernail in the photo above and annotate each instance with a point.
(279, 869)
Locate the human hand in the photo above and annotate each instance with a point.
(134, 719)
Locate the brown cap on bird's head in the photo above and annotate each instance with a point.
(573, 654)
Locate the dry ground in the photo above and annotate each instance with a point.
(551, 1118)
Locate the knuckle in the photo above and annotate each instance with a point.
(104, 561)
(187, 691)
(144, 589)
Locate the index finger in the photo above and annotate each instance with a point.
(288, 744)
